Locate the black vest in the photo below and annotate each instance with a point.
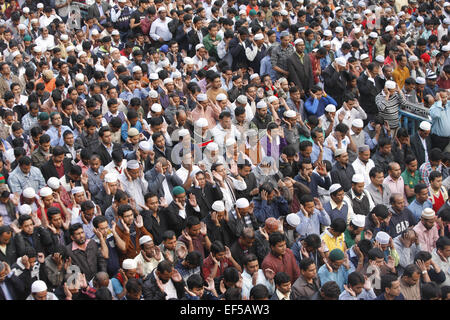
(360, 206)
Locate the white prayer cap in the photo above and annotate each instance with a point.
(168, 80)
(76, 190)
(79, 77)
(358, 178)
(390, 84)
(145, 146)
(79, 48)
(101, 68)
(389, 28)
(188, 60)
(183, 133)
(230, 141)
(64, 37)
(446, 21)
(34, 21)
(201, 123)
(136, 69)
(364, 56)
(221, 97)
(53, 183)
(428, 213)
(298, 41)
(133, 164)
(176, 75)
(45, 192)
(95, 32)
(382, 237)
(115, 33)
(37, 49)
(387, 10)
(129, 264)
(357, 30)
(359, 220)
(153, 94)
(81, 53)
(40, 5)
(22, 26)
(162, 8)
(156, 107)
(199, 46)
(327, 33)
(445, 48)
(259, 36)
(212, 146)
(367, 11)
(356, 17)
(339, 29)
(218, 206)
(29, 193)
(337, 9)
(202, 97)
(373, 35)
(293, 220)
(253, 76)
(242, 203)
(242, 12)
(242, 99)
(446, 4)
(38, 285)
(284, 12)
(425, 126)
(26, 10)
(272, 99)
(326, 43)
(70, 48)
(330, 108)
(334, 187)
(165, 63)
(154, 76)
(420, 80)
(261, 104)
(25, 209)
(420, 19)
(142, 240)
(362, 4)
(358, 123)
(110, 177)
(341, 61)
(290, 114)
(414, 58)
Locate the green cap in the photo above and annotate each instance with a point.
(178, 190)
(43, 116)
(252, 12)
(27, 37)
(336, 254)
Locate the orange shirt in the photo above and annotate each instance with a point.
(49, 86)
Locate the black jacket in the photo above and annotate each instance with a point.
(417, 148)
(90, 261)
(237, 51)
(221, 233)
(368, 91)
(104, 155)
(251, 183)
(334, 83)
(153, 226)
(301, 73)
(41, 241)
(11, 253)
(174, 221)
(205, 198)
(48, 169)
(17, 287)
(151, 291)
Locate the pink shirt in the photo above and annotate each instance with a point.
(395, 186)
(209, 115)
(427, 238)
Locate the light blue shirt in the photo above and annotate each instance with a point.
(247, 283)
(18, 181)
(364, 295)
(440, 117)
(327, 154)
(53, 133)
(340, 276)
(310, 225)
(417, 208)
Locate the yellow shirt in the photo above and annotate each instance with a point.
(400, 75)
(333, 243)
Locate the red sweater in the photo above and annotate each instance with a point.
(286, 264)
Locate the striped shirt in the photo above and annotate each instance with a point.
(389, 108)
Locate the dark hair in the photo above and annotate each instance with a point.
(217, 247)
(410, 270)
(194, 258)
(231, 274)
(313, 240)
(430, 290)
(338, 225)
(305, 263)
(419, 187)
(194, 281)
(275, 238)
(434, 175)
(331, 290)
(168, 234)
(164, 266)
(306, 198)
(355, 278)
(99, 219)
(74, 227)
(123, 208)
(133, 286)
(259, 292)
(374, 171)
(386, 281)
(281, 278)
(23, 218)
(442, 242)
(375, 253)
(249, 258)
(192, 221)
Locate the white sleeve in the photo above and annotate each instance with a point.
(251, 53)
(238, 184)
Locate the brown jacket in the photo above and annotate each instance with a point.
(5, 86)
(132, 250)
(302, 289)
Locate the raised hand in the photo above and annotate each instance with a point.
(349, 290)
(269, 274)
(139, 222)
(186, 235)
(304, 252)
(264, 195)
(163, 202)
(125, 227)
(203, 229)
(176, 276)
(192, 200)
(318, 204)
(264, 233)
(214, 259)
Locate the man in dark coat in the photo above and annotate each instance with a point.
(53, 166)
(6, 240)
(155, 288)
(107, 147)
(368, 90)
(237, 50)
(13, 287)
(417, 145)
(334, 79)
(300, 68)
(206, 192)
(36, 237)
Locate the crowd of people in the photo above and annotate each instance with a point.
(224, 150)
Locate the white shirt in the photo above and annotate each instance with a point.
(350, 115)
(111, 167)
(167, 193)
(160, 29)
(336, 44)
(44, 21)
(331, 141)
(201, 63)
(169, 289)
(364, 169)
(219, 134)
(249, 115)
(47, 42)
(424, 143)
(182, 173)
